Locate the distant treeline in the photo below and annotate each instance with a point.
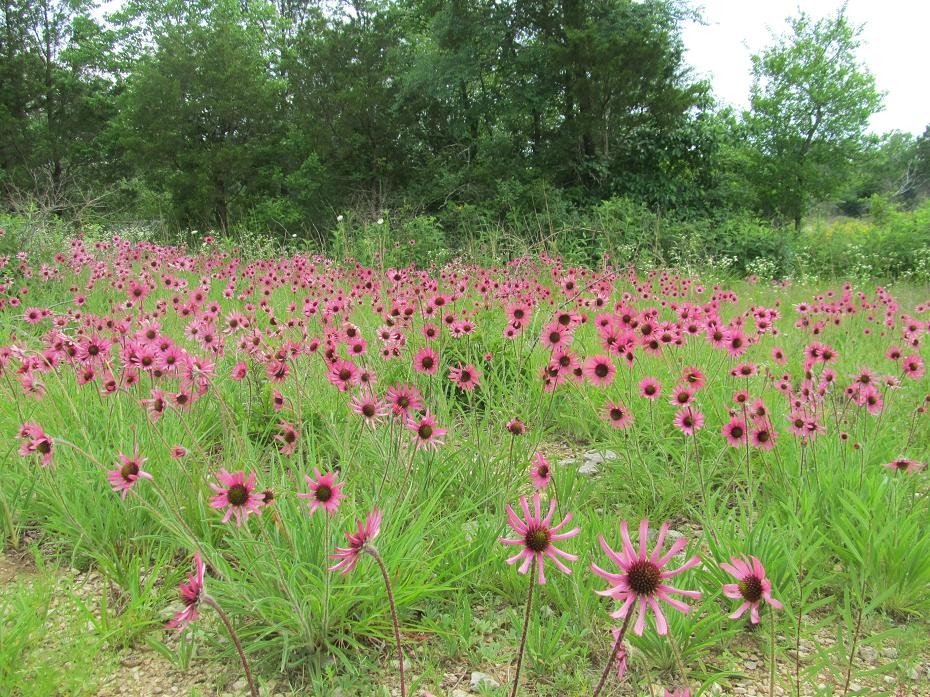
(278, 116)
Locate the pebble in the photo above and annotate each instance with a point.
(868, 653)
(890, 652)
(588, 468)
(479, 679)
(131, 661)
(751, 665)
(459, 693)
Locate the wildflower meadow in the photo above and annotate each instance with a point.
(529, 478)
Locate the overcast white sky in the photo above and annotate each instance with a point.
(894, 47)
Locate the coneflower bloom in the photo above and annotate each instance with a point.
(642, 579)
(128, 473)
(902, 464)
(540, 471)
(426, 361)
(288, 437)
(689, 421)
(404, 399)
(239, 371)
(650, 388)
(681, 396)
(516, 427)
(466, 377)
(155, 405)
(618, 416)
(735, 432)
(752, 587)
(555, 336)
(599, 370)
(536, 538)
(35, 440)
(372, 409)
(763, 435)
(913, 366)
(427, 433)
(237, 495)
(325, 492)
(348, 556)
(178, 451)
(343, 374)
(693, 377)
(191, 593)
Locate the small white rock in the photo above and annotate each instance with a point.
(479, 679)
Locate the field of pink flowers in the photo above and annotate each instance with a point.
(576, 481)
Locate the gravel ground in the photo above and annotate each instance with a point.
(140, 670)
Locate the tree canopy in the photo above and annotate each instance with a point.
(281, 114)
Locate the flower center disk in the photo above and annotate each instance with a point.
(644, 577)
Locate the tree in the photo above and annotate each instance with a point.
(811, 101)
(53, 99)
(199, 118)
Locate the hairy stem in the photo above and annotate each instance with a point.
(526, 626)
(235, 637)
(390, 594)
(613, 654)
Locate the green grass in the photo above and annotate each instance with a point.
(843, 539)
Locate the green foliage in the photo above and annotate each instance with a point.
(811, 101)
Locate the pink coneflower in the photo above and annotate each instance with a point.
(536, 538)
(325, 492)
(287, 437)
(466, 377)
(762, 435)
(736, 343)
(343, 374)
(404, 399)
(555, 336)
(735, 432)
(178, 451)
(155, 405)
(913, 366)
(618, 416)
(902, 464)
(516, 427)
(191, 593)
(239, 371)
(751, 587)
(35, 440)
(650, 388)
(681, 395)
(426, 361)
(744, 370)
(372, 409)
(689, 421)
(128, 473)
(693, 377)
(642, 578)
(348, 556)
(540, 471)
(237, 495)
(427, 433)
(599, 370)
